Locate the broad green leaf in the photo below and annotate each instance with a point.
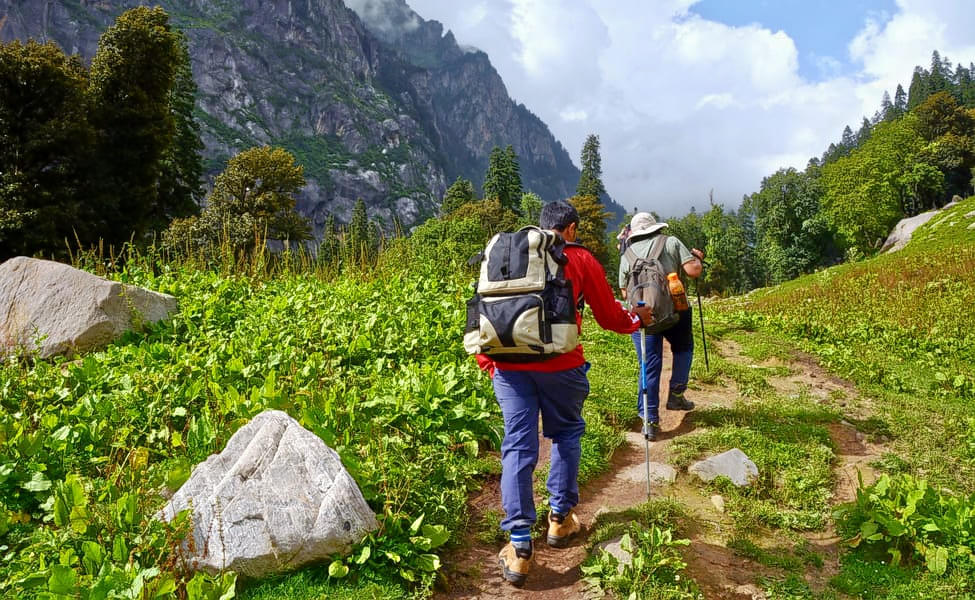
(415, 527)
(62, 581)
(428, 562)
(38, 483)
(337, 569)
(437, 534)
(364, 555)
(937, 560)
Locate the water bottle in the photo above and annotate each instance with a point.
(677, 292)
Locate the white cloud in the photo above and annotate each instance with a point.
(683, 104)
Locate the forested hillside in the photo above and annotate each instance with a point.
(392, 120)
(913, 155)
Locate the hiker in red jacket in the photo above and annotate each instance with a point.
(556, 388)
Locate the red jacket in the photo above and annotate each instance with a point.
(588, 280)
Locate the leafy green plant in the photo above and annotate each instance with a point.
(907, 519)
(653, 571)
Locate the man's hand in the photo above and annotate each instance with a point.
(645, 314)
(698, 253)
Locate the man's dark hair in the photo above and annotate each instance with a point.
(558, 215)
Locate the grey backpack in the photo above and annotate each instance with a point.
(647, 283)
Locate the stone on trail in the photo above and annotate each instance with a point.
(275, 499)
(733, 464)
(53, 308)
(615, 548)
(660, 473)
(718, 501)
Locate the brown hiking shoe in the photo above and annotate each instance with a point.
(515, 564)
(561, 528)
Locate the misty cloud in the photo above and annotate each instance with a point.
(682, 104)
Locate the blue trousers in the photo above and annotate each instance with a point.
(558, 396)
(681, 340)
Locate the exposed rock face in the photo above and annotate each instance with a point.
(733, 464)
(275, 499)
(52, 308)
(390, 115)
(904, 229)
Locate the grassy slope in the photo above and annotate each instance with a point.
(900, 327)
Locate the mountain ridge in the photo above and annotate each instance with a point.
(392, 116)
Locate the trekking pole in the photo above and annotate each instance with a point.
(700, 314)
(646, 400)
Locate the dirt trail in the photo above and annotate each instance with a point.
(472, 571)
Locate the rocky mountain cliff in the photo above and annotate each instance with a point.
(391, 114)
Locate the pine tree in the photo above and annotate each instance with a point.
(848, 141)
(513, 186)
(493, 179)
(592, 225)
(181, 174)
(864, 133)
(590, 181)
(45, 147)
(131, 82)
(900, 101)
(918, 91)
(359, 239)
(503, 179)
(331, 245)
(887, 112)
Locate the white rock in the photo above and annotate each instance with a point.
(54, 308)
(904, 229)
(614, 547)
(733, 464)
(276, 498)
(718, 501)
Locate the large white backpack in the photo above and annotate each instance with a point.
(523, 308)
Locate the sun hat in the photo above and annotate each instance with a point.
(644, 224)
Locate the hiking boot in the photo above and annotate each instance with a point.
(515, 564)
(677, 401)
(650, 431)
(561, 528)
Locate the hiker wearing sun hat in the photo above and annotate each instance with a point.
(646, 236)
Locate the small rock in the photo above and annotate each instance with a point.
(718, 501)
(660, 473)
(972, 226)
(614, 548)
(860, 437)
(970, 214)
(750, 590)
(602, 510)
(733, 464)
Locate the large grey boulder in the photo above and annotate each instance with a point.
(733, 464)
(275, 499)
(53, 308)
(905, 228)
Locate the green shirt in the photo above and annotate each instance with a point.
(675, 254)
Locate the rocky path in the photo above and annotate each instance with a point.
(472, 572)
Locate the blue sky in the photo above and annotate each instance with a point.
(822, 29)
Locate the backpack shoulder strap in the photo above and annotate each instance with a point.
(631, 256)
(658, 247)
